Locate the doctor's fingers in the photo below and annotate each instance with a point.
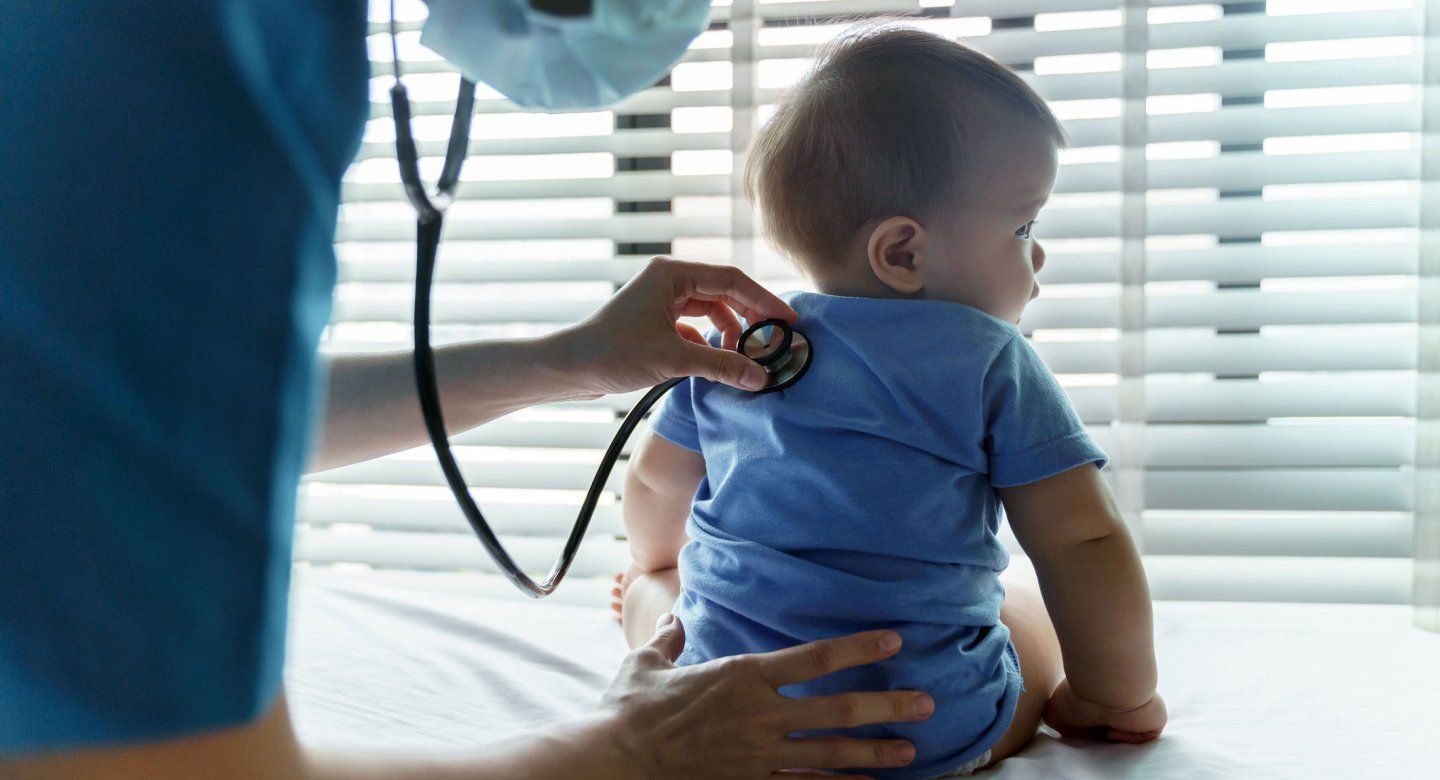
(690, 334)
(721, 316)
(719, 365)
(817, 659)
(847, 710)
(705, 282)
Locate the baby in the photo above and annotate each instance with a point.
(903, 176)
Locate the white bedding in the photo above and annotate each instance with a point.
(428, 661)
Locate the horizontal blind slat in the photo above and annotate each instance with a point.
(1311, 445)
(627, 143)
(1228, 79)
(499, 311)
(1329, 535)
(616, 270)
(1239, 263)
(1231, 216)
(1320, 489)
(1238, 354)
(1247, 171)
(621, 227)
(1163, 445)
(1229, 400)
(1236, 170)
(1245, 31)
(1294, 579)
(1238, 216)
(1230, 125)
(1226, 264)
(1189, 353)
(1228, 309)
(1260, 535)
(1354, 489)
(518, 474)
(1252, 124)
(1252, 399)
(547, 520)
(598, 557)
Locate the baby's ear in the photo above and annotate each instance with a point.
(896, 251)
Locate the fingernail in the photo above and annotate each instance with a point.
(889, 643)
(665, 620)
(923, 705)
(754, 378)
(905, 754)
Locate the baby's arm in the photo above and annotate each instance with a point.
(1094, 588)
(659, 486)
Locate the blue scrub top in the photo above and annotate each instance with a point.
(169, 181)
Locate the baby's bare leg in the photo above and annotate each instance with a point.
(648, 597)
(1039, 649)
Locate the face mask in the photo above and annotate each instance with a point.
(564, 63)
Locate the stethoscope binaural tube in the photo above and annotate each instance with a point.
(771, 343)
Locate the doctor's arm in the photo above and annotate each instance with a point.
(723, 719)
(632, 342)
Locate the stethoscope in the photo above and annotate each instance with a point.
(784, 353)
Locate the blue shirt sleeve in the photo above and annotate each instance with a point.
(1031, 430)
(675, 420)
(163, 284)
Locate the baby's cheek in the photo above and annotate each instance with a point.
(1022, 285)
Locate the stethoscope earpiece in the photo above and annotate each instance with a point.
(784, 353)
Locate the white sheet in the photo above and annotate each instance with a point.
(427, 662)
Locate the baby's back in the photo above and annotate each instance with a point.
(863, 497)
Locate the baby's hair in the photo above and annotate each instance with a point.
(885, 123)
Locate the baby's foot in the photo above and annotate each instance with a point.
(620, 588)
(617, 597)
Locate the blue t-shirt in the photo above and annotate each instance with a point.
(863, 497)
(169, 183)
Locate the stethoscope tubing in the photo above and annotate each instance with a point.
(430, 208)
(428, 390)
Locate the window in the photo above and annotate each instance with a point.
(1232, 297)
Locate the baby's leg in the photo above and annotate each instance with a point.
(1039, 649)
(647, 598)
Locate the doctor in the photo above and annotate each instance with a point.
(169, 179)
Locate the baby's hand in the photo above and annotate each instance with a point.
(1073, 716)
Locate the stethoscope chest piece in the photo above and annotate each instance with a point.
(784, 354)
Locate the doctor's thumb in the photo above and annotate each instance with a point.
(669, 636)
(724, 366)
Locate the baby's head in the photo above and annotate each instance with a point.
(908, 165)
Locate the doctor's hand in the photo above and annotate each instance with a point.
(635, 340)
(725, 719)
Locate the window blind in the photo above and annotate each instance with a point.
(1232, 296)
